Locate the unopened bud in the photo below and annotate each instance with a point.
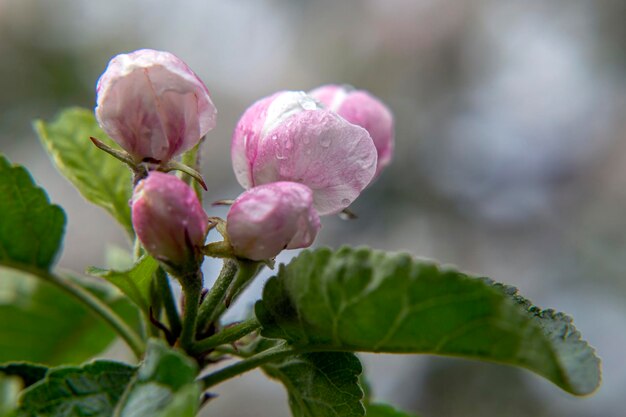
(269, 218)
(168, 219)
(362, 109)
(153, 105)
(289, 137)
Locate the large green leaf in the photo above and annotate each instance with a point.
(135, 282)
(41, 323)
(90, 390)
(164, 386)
(320, 384)
(31, 228)
(99, 177)
(365, 300)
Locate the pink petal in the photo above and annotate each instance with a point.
(361, 108)
(168, 217)
(269, 218)
(153, 105)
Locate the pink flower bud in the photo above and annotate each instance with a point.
(153, 105)
(362, 109)
(168, 218)
(288, 137)
(269, 218)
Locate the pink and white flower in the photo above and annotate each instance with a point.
(153, 105)
(168, 218)
(361, 108)
(266, 219)
(289, 137)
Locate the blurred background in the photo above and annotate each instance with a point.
(510, 156)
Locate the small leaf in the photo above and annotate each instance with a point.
(90, 390)
(29, 373)
(191, 158)
(31, 228)
(99, 177)
(322, 384)
(164, 386)
(134, 283)
(384, 410)
(365, 300)
(41, 323)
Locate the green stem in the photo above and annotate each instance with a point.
(254, 361)
(94, 304)
(228, 335)
(164, 288)
(216, 296)
(192, 289)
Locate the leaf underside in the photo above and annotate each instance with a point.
(320, 384)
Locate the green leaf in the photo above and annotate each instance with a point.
(321, 384)
(9, 391)
(31, 228)
(384, 410)
(90, 390)
(135, 283)
(41, 323)
(99, 177)
(365, 300)
(29, 373)
(191, 158)
(164, 386)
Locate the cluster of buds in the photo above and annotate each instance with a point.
(299, 156)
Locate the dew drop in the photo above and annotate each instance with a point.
(345, 201)
(280, 155)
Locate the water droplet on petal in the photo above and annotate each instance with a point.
(345, 201)
(325, 141)
(280, 155)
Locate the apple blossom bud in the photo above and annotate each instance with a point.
(362, 109)
(289, 137)
(269, 218)
(168, 218)
(153, 105)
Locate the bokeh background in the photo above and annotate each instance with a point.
(510, 161)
